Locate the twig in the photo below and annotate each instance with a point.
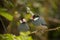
(3, 24)
(53, 29)
(46, 30)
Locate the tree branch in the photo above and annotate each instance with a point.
(53, 29)
(46, 30)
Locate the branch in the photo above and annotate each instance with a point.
(3, 24)
(34, 32)
(53, 29)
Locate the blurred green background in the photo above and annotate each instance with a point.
(11, 10)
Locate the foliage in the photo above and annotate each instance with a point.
(6, 14)
(22, 36)
(48, 8)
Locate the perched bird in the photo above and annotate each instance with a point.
(40, 26)
(37, 20)
(23, 27)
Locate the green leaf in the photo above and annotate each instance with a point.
(6, 15)
(23, 36)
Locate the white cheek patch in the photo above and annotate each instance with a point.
(21, 21)
(36, 18)
(24, 20)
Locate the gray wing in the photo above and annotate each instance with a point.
(39, 22)
(23, 27)
(42, 20)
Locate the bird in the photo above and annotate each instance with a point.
(23, 27)
(38, 20)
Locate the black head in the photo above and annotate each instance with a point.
(35, 16)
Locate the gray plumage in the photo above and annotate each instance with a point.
(23, 27)
(39, 21)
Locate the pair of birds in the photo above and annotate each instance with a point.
(36, 20)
